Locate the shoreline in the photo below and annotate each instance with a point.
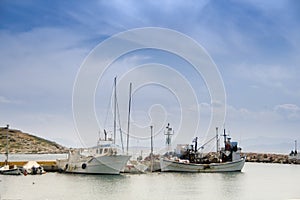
(250, 156)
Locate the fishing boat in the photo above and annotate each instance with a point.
(189, 159)
(103, 158)
(294, 156)
(8, 169)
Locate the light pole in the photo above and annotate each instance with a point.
(151, 153)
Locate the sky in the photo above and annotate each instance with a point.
(254, 45)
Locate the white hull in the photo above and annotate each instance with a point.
(295, 158)
(135, 167)
(6, 170)
(170, 165)
(95, 165)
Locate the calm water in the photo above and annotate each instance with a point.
(257, 181)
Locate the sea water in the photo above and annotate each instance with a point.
(256, 181)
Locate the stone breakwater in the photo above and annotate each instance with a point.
(258, 158)
(267, 158)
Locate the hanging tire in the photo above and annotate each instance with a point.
(83, 166)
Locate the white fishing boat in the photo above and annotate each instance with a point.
(101, 159)
(294, 156)
(8, 169)
(190, 160)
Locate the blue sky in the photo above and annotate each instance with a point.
(254, 44)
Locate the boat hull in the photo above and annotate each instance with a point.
(6, 170)
(174, 166)
(11, 172)
(96, 165)
(294, 158)
(135, 167)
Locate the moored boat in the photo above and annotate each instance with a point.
(188, 159)
(135, 167)
(8, 169)
(33, 168)
(101, 159)
(177, 165)
(294, 156)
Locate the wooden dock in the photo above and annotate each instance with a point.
(48, 165)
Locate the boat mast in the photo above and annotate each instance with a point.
(115, 110)
(295, 145)
(224, 137)
(128, 120)
(6, 153)
(217, 139)
(196, 144)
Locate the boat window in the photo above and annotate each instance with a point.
(97, 151)
(101, 151)
(105, 150)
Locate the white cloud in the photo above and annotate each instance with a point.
(289, 111)
(264, 74)
(4, 100)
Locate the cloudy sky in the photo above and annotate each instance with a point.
(254, 44)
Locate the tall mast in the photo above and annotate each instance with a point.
(128, 120)
(217, 139)
(115, 110)
(295, 145)
(6, 153)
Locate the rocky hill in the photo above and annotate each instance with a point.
(20, 142)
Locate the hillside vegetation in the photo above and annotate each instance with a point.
(20, 142)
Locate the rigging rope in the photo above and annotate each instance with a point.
(121, 137)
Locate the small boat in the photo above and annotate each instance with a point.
(190, 160)
(33, 168)
(135, 167)
(294, 156)
(9, 169)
